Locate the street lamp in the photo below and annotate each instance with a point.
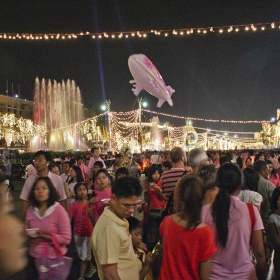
(141, 102)
(106, 106)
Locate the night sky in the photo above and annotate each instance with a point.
(233, 76)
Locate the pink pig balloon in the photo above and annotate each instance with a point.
(147, 77)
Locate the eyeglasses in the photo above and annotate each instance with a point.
(130, 206)
(39, 160)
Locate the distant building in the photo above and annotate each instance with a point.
(19, 107)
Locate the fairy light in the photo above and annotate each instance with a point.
(144, 33)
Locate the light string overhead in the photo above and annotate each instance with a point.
(208, 120)
(252, 27)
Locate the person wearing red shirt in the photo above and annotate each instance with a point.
(157, 202)
(188, 244)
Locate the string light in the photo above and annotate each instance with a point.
(142, 33)
(207, 120)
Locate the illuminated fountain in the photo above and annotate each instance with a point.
(57, 107)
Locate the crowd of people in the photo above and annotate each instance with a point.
(156, 215)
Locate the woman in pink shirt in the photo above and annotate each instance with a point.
(275, 178)
(103, 191)
(49, 219)
(231, 222)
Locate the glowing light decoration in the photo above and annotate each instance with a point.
(253, 27)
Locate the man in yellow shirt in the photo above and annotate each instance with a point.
(111, 241)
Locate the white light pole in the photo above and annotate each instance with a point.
(141, 103)
(106, 106)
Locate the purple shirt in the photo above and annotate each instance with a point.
(56, 180)
(234, 259)
(54, 222)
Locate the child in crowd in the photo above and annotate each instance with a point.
(81, 213)
(96, 166)
(76, 176)
(103, 191)
(144, 260)
(121, 172)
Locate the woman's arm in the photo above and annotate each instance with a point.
(205, 269)
(258, 250)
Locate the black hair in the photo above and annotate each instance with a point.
(134, 224)
(210, 156)
(94, 148)
(118, 156)
(122, 170)
(78, 185)
(72, 162)
(47, 155)
(126, 187)
(79, 176)
(102, 170)
(151, 171)
(229, 179)
(67, 162)
(53, 194)
(258, 155)
(251, 179)
(51, 166)
(98, 163)
(260, 165)
(224, 159)
(273, 200)
(191, 193)
(167, 164)
(78, 158)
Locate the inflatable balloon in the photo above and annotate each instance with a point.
(147, 77)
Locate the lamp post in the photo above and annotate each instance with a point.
(141, 102)
(106, 106)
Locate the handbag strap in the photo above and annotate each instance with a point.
(252, 218)
(56, 246)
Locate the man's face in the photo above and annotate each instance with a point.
(40, 163)
(80, 161)
(124, 207)
(95, 153)
(265, 172)
(55, 170)
(117, 160)
(66, 168)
